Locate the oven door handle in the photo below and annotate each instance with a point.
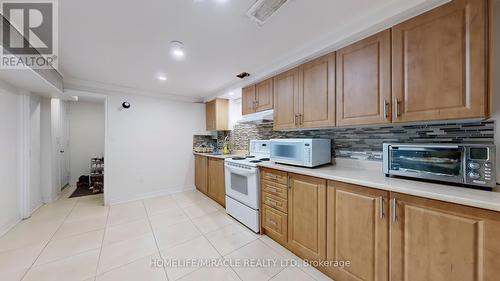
(241, 171)
(422, 148)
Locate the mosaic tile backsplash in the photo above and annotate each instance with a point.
(366, 142)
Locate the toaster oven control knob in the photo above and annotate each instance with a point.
(474, 165)
(474, 175)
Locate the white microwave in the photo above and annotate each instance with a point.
(301, 152)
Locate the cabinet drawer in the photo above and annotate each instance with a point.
(275, 176)
(275, 224)
(275, 189)
(275, 202)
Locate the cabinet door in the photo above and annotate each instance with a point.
(364, 81)
(210, 117)
(433, 240)
(307, 217)
(248, 100)
(216, 183)
(317, 93)
(200, 168)
(264, 95)
(439, 63)
(358, 232)
(286, 86)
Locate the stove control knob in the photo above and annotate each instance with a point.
(474, 165)
(474, 175)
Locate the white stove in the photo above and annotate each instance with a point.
(243, 185)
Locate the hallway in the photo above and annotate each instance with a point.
(79, 239)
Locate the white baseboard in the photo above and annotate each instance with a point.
(147, 195)
(8, 226)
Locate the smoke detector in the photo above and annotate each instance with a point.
(262, 10)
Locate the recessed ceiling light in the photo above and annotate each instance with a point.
(177, 49)
(231, 93)
(161, 77)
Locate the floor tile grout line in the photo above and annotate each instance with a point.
(213, 246)
(154, 237)
(102, 243)
(220, 254)
(127, 263)
(302, 260)
(38, 256)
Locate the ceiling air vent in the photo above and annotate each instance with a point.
(243, 75)
(262, 10)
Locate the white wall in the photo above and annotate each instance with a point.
(35, 191)
(149, 147)
(10, 154)
(235, 109)
(48, 183)
(86, 136)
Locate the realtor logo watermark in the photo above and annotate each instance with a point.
(29, 34)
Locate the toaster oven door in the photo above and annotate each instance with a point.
(443, 163)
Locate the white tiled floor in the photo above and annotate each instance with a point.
(80, 239)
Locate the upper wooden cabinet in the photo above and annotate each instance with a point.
(307, 216)
(216, 187)
(357, 231)
(217, 115)
(305, 97)
(439, 63)
(257, 97)
(433, 240)
(317, 93)
(264, 95)
(364, 81)
(248, 100)
(286, 95)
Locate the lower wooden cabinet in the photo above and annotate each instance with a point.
(307, 216)
(209, 178)
(433, 240)
(357, 232)
(275, 224)
(216, 183)
(382, 235)
(200, 173)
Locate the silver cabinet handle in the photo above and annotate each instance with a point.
(296, 122)
(386, 110)
(381, 207)
(396, 108)
(301, 119)
(394, 214)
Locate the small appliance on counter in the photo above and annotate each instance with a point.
(243, 184)
(301, 152)
(465, 164)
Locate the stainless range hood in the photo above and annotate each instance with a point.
(258, 117)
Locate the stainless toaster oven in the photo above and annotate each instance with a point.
(468, 164)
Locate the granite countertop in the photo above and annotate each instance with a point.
(220, 156)
(370, 174)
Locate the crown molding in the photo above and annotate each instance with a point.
(116, 90)
(363, 26)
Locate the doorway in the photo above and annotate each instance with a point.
(86, 129)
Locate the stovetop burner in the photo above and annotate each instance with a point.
(264, 159)
(255, 161)
(250, 156)
(238, 158)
